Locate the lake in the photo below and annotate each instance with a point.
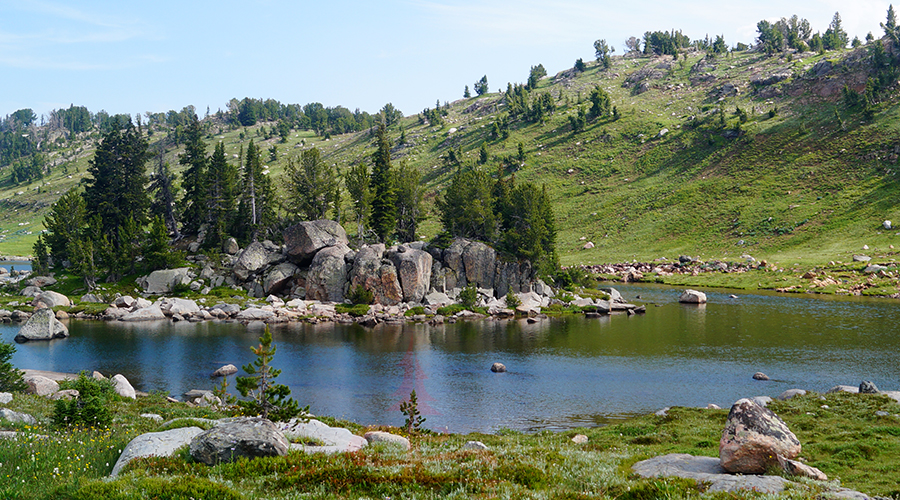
(563, 373)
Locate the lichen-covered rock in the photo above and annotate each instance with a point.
(155, 444)
(305, 239)
(253, 259)
(480, 261)
(171, 306)
(754, 438)
(377, 275)
(278, 277)
(328, 274)
(414, 270)
(152, 313)
(42, 325)
(233, 438)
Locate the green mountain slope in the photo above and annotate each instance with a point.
(802, 178)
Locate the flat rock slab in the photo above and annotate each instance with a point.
(709, 470)
(334, 439)
(155, 444)
(57, 376)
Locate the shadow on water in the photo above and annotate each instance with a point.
(563, 373)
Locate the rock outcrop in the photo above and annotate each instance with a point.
(233, 438)
(327, 278)
(304, 240)
(754, 438)
(42, 325)
(155, 444)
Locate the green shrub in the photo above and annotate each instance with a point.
(90, 408)
(512, 300)
(178, 488)
(451, 309)
(415, 311)
(10, 376)
(357, 310)
(468, 296)
(181, 290)
(360, 295)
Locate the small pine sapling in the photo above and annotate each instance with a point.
(267, 399)
(411, 410)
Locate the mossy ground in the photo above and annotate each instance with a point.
(840, 433)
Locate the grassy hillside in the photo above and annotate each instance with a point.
(804, 180)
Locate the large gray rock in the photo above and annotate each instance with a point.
(327, 276)
(51, 299)
(91, 298)
(41, 281)
(225, 370)
(867, 387)
(123, 387)
(171, 306)
(514, 276)
(414, 270)
(40, 385)
(230, 246)
(155, 444)
(377, 275)
(163, 280)
(253, 259)
(16, 417)
(707, 470)
(152, 313)
(42, 325)
(305, 239)
(692, 297)
(255, 314)
(278, 277)
(754, 438)
(333, 439)
(455, 277)
(388, 438)
(234, 438)
(480, 262)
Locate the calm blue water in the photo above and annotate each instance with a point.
(563, 373)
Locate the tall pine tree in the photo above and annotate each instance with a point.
(163, 203)
(312, 186)
(116, 189)
(257, 208)
(194, 206)
(384, 200)
(221, 196)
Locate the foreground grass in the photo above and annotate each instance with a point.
(841, 435)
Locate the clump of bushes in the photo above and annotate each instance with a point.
(90, 408)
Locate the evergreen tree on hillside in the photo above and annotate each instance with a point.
(384, 208)
(163, 203)
(357, 181)
(529, 228)
(890, 24)
(602, 50)
(835, 37)
(194, 204)
(116, 189)
(65, 222)
(257, 213)
(410, 195)
(481, 86)
(467, 206)
(312, 186)
(222, 194)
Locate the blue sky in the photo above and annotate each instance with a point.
(133, 57)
